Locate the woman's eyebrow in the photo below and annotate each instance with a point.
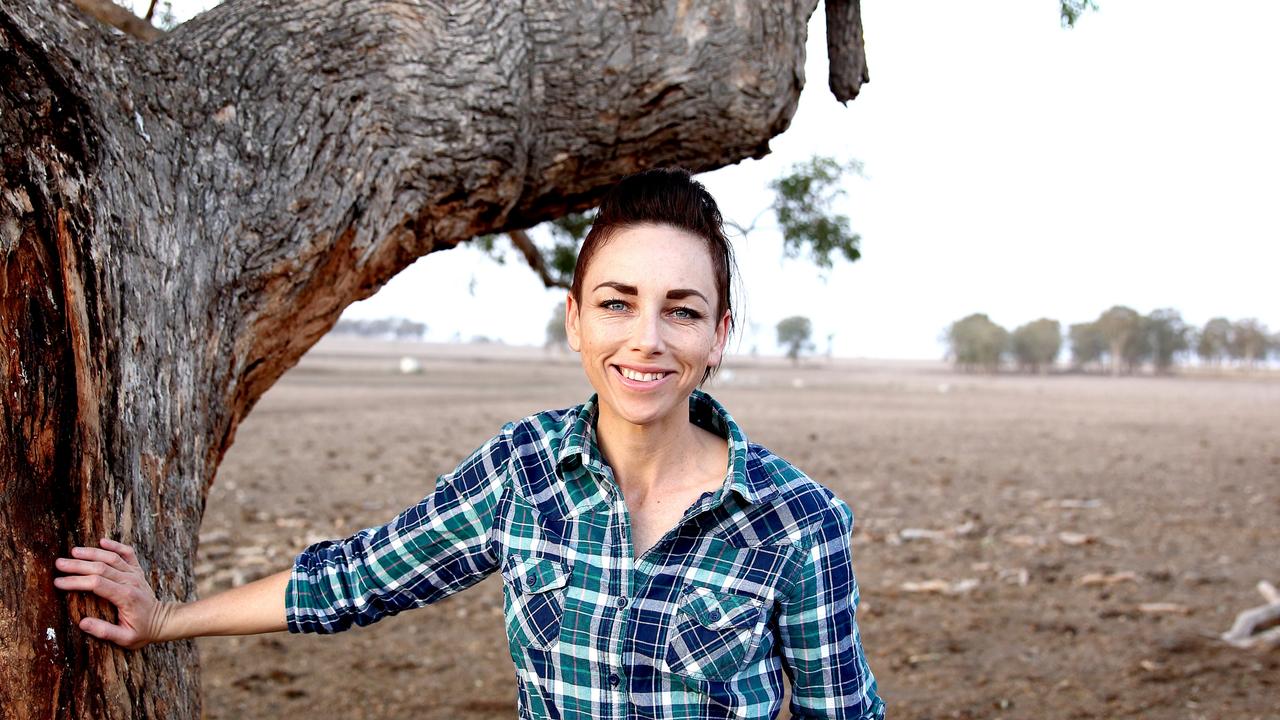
(620, 287)
(677, 294)
(681, 293)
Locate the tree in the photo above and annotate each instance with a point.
(1214, 343)
(793, 334)
(1071, 10)
(181, 219)
(396, 328)
(1036, 344)
(1249, 341)
(803, 205)
(977, 342)
(1167, 335)
(1121, 328)
(1087, 345)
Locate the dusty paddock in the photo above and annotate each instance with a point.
(1168, 488)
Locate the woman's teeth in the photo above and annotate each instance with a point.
(642, 377)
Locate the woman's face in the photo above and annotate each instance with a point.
(646, 327)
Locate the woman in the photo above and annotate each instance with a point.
(654, 562)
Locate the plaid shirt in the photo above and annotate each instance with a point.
(755, 579)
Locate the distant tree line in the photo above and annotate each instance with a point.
(396, 328)
(1119, 341)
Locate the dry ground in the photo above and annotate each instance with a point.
(1025, 485)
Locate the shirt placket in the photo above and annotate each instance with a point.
(618, 600)
(622, 581)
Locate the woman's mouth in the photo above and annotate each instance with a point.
(641, 380)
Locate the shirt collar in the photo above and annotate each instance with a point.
(579, 445)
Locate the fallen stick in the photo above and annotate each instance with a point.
(1269, 592)
(1259, 627)
(1163, 608)
(941, 587)
(1103, 579)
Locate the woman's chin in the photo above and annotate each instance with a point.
(641, 411)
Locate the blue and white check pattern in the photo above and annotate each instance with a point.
(754, 581)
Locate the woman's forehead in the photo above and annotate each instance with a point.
(653, 257)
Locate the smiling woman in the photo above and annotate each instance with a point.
(655, 563)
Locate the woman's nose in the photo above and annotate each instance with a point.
(646, 334)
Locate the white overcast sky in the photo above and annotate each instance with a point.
(1012, 167)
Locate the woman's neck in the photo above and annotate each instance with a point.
(662, 456)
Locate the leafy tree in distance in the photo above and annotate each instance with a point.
(1087, 345)
(1071, 10)
(977, 342)
(1249, 341)
(1036, 344)
(1121, 327)
(1166, 336)
(1214, 342)
(392, 327)
(803, 205)
(793, 334)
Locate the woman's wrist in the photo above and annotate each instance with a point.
(167, 621)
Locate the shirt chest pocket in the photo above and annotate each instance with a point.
(533, 600)
(713, 633)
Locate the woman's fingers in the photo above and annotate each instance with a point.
(93, 567)
(125, 551)
(96, 584)
(108, 631)
(103, 556)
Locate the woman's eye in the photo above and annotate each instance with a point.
(685, 313)
(613, 305)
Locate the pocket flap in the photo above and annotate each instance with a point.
(720, 610)
(535, 575)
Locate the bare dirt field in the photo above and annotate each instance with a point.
(1092, 535)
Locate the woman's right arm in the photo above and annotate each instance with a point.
(435, 548)
(429, 551)
(113, 573)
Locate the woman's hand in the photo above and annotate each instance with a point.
(112, 572)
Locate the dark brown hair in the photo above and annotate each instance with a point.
(663, 196)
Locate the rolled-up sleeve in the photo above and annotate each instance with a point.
(821, 648)
(429, 551)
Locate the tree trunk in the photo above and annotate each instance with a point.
(181, 219)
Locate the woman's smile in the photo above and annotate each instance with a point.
(642, 379)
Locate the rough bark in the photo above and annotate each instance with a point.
(181, 219)
(845, 51)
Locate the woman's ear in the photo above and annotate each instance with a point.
(571, 328)
(722, 339)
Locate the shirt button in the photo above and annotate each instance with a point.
(614, 679)
(622, 602)
(714, 615)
